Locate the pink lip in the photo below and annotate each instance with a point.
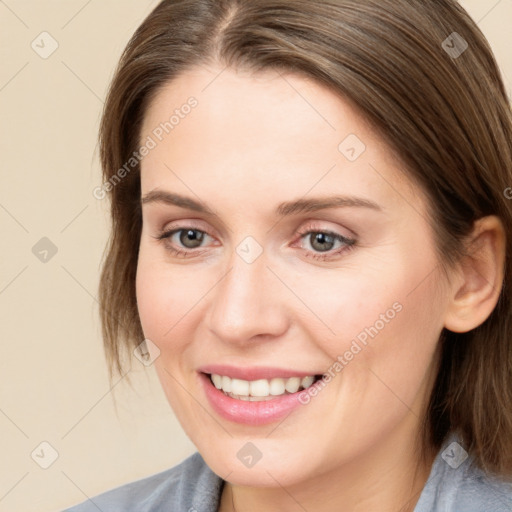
(249, 413)
(252, 373)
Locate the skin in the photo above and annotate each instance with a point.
(252, 142)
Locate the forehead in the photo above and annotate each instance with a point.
(270, 107)
(263, 133)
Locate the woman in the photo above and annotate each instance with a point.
(312, 235)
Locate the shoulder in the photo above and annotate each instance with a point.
(188, 486)
(457, 484)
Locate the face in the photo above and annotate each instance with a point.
(281, 241)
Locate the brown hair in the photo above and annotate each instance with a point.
(445, 115)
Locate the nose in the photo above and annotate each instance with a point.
(248, 303)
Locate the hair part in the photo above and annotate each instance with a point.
(447, 119)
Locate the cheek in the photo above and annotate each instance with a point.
(166, 295)
(165, 300)
(351, 304)
(381, 320)
(403, 355)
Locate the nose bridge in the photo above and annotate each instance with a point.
(246, 302)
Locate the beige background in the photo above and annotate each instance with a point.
(54, 385)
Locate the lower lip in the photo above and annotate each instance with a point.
(249, 413)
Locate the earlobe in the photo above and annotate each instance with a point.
(475, 294)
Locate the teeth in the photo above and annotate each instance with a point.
(238, 387)
(261, 389)
(277, 387)
(226, 384)
(307, 381)
(217, 381)
(292, 385)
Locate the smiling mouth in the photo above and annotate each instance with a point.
(261, 389)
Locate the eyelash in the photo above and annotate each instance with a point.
(349, 242)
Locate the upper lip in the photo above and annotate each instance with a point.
(253, 372)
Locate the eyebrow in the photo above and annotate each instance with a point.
(283, 209)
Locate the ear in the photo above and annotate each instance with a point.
(475, 292)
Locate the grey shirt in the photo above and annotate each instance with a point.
(455, 484)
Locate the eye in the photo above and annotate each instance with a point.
(188, 237)
(323, 243)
